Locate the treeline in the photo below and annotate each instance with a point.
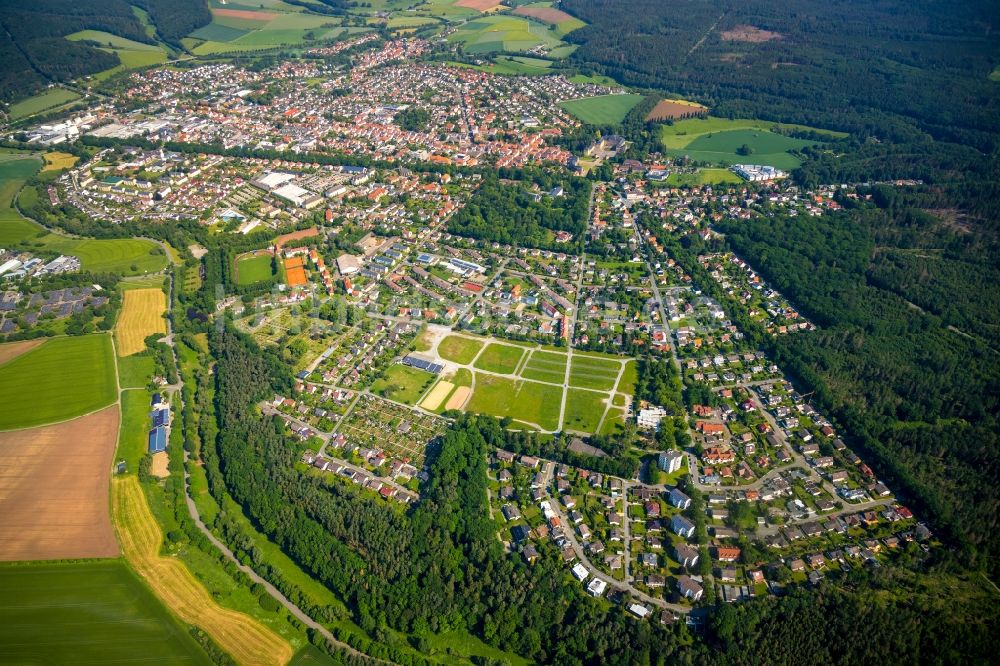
(524, 213)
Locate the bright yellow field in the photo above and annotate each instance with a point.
(141, 316)
(245, 639)
(56, 161)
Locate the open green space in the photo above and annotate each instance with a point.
(525, 401)
(995, 74)
(459, 349)
(108, 40)
(403, 383)
(593, 373)
(545, 367)
(490, 34)
(603, 109)
(135, 424)
(133, 54)
(629, 378)
(464, 644)
(499, 358)
(716, 140)
(129, 256)
(135, 371)
(87, 613)
(612, 422)
(44, 101)
(58, 380)
(584, 410)
(251, 270)
(705, 176)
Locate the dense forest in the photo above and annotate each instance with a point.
(888, 69)
(526, 213)
(35, 52)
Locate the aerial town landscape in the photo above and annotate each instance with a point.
(456, 332)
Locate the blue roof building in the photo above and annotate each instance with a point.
(158, 439)
(161, 417)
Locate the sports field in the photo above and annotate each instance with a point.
(716, 140)
(141, 316)
(253, 269)
(459, 349)
(402, 383)
(61, 379)
(245, 639)
(602, 110)
(54, 489)
(527, 402)
(437, 395)
(295, 273)
(499, 358)
(87, 613)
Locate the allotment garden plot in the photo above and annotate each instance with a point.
(399, 432)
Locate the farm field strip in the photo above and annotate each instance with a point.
(245, 639)
(141, 316)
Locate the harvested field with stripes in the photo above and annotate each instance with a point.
(141, 316)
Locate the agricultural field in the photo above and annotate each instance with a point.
(243, 637)
(544, 12)
(141, 316)
(133, 54)
(54, 498)
(135, 371)
(458, 349)
(273, 26)
(403, 384)
(513, 66)
(602, 110)
(58, 161)
(716, 140)
(492, 34)
(61, 379)
(667, 109)
(44, 608)
(45, 101)
(499, 358)
(11, 350)
(253, 269)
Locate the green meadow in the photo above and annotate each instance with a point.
(602, 110)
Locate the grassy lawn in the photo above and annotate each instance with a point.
(251, 270)
(49, 99)
(466, 645)
(614, 419)
(458, 349)
(629, 378)
(499, 358)
(132, 435)
(403, 383)
(86, 613)
(593, 373)
(62, 379)
(602, 110)
(583, 410)
(704, 177)
(546, 367)
(135, 371)
(525, 401)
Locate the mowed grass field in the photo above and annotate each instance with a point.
(458, 349)
(584, 410)
(499, 358)
(251, 270)
(525, 401)
(61, 379)
(134, 428)
(128, 256)
(241, 636)
(87, 613)
(50, 99)
(141, 316)
(716, 140)
(593, 373)
(545, 367)
(602, 110)
(705, 176)
(403, 384)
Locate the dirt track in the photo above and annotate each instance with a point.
(241, 636)
(54, 489)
